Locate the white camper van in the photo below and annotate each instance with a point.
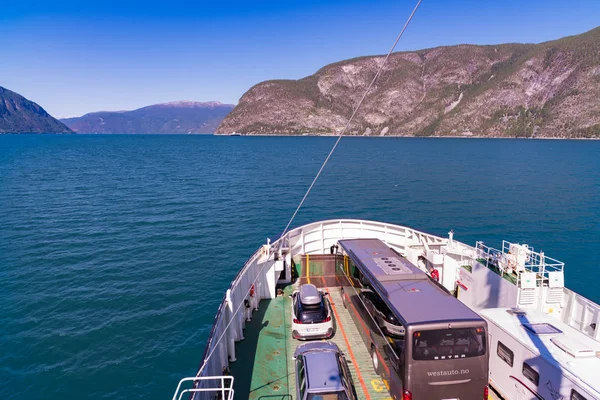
(536, 356)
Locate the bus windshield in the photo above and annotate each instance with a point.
(444, 344)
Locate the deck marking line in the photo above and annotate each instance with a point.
(360, 378)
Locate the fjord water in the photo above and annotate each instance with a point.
(115, 251)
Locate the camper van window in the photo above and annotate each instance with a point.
(576, 396)
(506, 354)
(531, 374)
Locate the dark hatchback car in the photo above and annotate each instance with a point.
(322, 373)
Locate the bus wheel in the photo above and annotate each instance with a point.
(375, 359)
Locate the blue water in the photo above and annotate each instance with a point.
(116, 250)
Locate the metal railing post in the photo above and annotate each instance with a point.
(223, 388)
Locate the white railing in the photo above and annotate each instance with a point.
(536, 262)
(508, 263)
(490, 257)
(225, 390)
(318, 237)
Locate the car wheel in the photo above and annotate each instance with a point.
(375, 359)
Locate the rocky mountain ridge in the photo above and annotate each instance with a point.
(174, 117)
(19, 115)
(549, 89)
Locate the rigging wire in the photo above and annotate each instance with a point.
(314, 180)
(352, 116)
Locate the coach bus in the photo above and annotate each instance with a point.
(424, 343)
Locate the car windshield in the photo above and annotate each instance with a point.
(444, 344)
(327, 396)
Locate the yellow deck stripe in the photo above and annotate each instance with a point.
(307, 269)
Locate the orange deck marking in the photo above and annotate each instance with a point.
(339, 322)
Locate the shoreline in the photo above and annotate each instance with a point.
(304, 136)
(417, 137)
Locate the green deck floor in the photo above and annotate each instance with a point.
(264, 368)
(261, 370)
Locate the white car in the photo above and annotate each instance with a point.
(311, 314)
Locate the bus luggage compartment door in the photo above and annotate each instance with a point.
(455, 389)
(449, 379)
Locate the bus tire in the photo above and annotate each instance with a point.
(374, 359)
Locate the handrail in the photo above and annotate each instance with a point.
(223, 388)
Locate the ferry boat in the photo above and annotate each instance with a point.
(404, 315)
(537, 339)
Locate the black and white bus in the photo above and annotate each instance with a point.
(424, 343)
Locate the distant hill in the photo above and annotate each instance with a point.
(176, 117)
(19, 115)
(550, 89)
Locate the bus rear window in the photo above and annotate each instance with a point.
(444, 344)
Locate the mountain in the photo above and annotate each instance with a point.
(19, 115)
(549, 89)
(175, 117)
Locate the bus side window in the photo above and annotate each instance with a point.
(355, 271)
(531, 374)
(576, 396)
(505, 354)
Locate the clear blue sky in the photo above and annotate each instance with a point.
(78, 56)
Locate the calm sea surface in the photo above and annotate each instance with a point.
(116, 250)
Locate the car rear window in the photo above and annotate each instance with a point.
(314, 313)
(444, 344)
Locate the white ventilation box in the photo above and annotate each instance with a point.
(528, 280)
(574, 347)
(556, 279)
